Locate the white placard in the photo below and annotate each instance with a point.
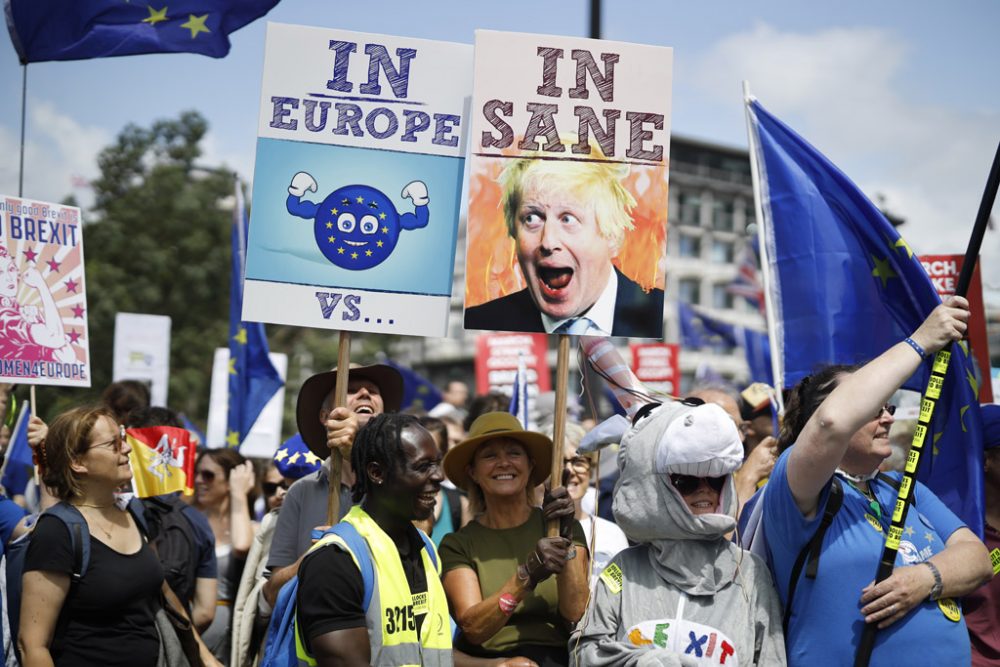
(142, 352)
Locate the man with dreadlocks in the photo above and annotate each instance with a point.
(398, 477)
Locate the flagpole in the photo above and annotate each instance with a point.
(928, 402)
(559, 422)
(24, 104)
(340, 400)
(765, 267)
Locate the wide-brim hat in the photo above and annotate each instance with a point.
(493, 425)
(315, 390)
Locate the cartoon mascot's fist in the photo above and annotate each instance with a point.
(416, 191)
(301, 184)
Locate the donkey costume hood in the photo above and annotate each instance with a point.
(691, 552)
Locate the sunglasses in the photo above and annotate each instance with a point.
(888, 407)
(271, 488)
(117, 445)
(688, 484)
(207, 475)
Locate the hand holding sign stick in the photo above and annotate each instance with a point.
(927, 405)
(336, 455)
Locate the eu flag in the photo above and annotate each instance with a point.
(419, 393)
(846, 287)
(253, 380)
(17, 465)
(44, 30)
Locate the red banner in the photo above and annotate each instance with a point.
(496, 361)
(657, 365)
(943, 271)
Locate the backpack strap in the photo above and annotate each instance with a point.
(429, 546)
(79, 535)
(454, 497)
(138, 511)
(359, 547)
(809, 555)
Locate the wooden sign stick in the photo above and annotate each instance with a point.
(339, 400)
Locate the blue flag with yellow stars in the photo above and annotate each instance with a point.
(253, 380)
(44, 30)
(418, 392)
(846, 287)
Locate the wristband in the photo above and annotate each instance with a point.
(916, 347)
(935, 593)
(507, 603)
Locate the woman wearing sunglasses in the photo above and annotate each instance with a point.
(837, 426)
(223, 484)
(685, 594)
(105, 618)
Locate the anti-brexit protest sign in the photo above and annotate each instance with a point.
(568, 192)
(357, 182)
(43, 304)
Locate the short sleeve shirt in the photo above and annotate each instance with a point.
(826, 623)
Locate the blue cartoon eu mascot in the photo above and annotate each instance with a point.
(357, 227)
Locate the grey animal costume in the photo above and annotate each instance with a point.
(686, 596)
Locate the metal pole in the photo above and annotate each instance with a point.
(24, 102)
(595, 19)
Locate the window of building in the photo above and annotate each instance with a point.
(722, 215)
(689, 246)
(721, 298)
(690, 291)
(722, 251)
(689, 209)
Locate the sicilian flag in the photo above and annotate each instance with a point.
(845, 287)
(162, 459)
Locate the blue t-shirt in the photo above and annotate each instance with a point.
(826, 623)
(204, 543)
(10, 515)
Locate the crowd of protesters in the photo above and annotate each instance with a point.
(443, 554)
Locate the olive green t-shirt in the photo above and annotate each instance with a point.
(494, 554)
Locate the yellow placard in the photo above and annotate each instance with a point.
(612, 578)
(895, 534)
(941, 362)
(934, 386)
(995, 559)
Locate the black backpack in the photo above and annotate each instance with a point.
(172, 537)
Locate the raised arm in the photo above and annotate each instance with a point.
(823, 442)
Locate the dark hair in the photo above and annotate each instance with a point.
(227, 459)
(438, 429)
(155, 416)
(806, 397)
(379, 441)
(125, 396)
(483, 403)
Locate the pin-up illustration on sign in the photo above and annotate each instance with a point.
(568, 186)
(357, 181)
(43, 305)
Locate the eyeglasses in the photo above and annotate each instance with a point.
(688, 484)
(578, 463)
(207, 475)
(271, 488)
(888, 407)
(117, 445)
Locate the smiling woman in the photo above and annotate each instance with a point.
(513, 591)
(107, 616)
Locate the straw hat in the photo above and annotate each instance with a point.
(493, 425)
(315, 390)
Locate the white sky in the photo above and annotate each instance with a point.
(904, 96)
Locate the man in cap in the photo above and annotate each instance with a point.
(982, 606)
(371, 390)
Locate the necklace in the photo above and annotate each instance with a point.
(106, 531)
(100, 507)
(873, 502)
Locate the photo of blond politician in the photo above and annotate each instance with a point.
(568, 220)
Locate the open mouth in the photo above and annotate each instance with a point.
(356, 244)
(506, 477)
(554, 279)
(364, 410)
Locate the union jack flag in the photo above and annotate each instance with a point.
(747, 282)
